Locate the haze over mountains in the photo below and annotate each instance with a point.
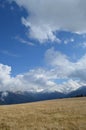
(24, 97)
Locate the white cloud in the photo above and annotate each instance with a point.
(5, 72)
(47, 16)
(80, 69)
(65, 68)
(60, 62)
(70, 85)
(4, 94)
(34, 80)
(24, 41)
(40, 32)
(73, 75)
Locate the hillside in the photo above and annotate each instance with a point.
(61, 114)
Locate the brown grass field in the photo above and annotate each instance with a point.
(61, 114)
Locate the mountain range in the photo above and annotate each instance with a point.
(25, 97)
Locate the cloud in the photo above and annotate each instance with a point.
(82, 45)
(45, 17)
(4, 94)
(5, 72)
(48, 16)
(64, 67)
(60, 62)
(69, 41)
(80, 69)
(34, 80)
(5, 52)
(58, 67)
(24, 41)
(41, 33)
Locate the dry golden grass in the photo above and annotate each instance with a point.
(62, 114)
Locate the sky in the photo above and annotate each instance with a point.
(42, 45)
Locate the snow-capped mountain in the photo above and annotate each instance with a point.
(24, 97)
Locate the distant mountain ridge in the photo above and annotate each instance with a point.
(25, 97)
(16, 98)
(77, 93)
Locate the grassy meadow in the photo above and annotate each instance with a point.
(61, 114)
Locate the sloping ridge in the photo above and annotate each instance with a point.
(25, 97)
(16, 98)
(80, 92)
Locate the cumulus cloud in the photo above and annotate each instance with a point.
(60, 62)
(35, 80)
(45, 17)
(5, 72)
(58, 67)
(64, 67)
(80, 69)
